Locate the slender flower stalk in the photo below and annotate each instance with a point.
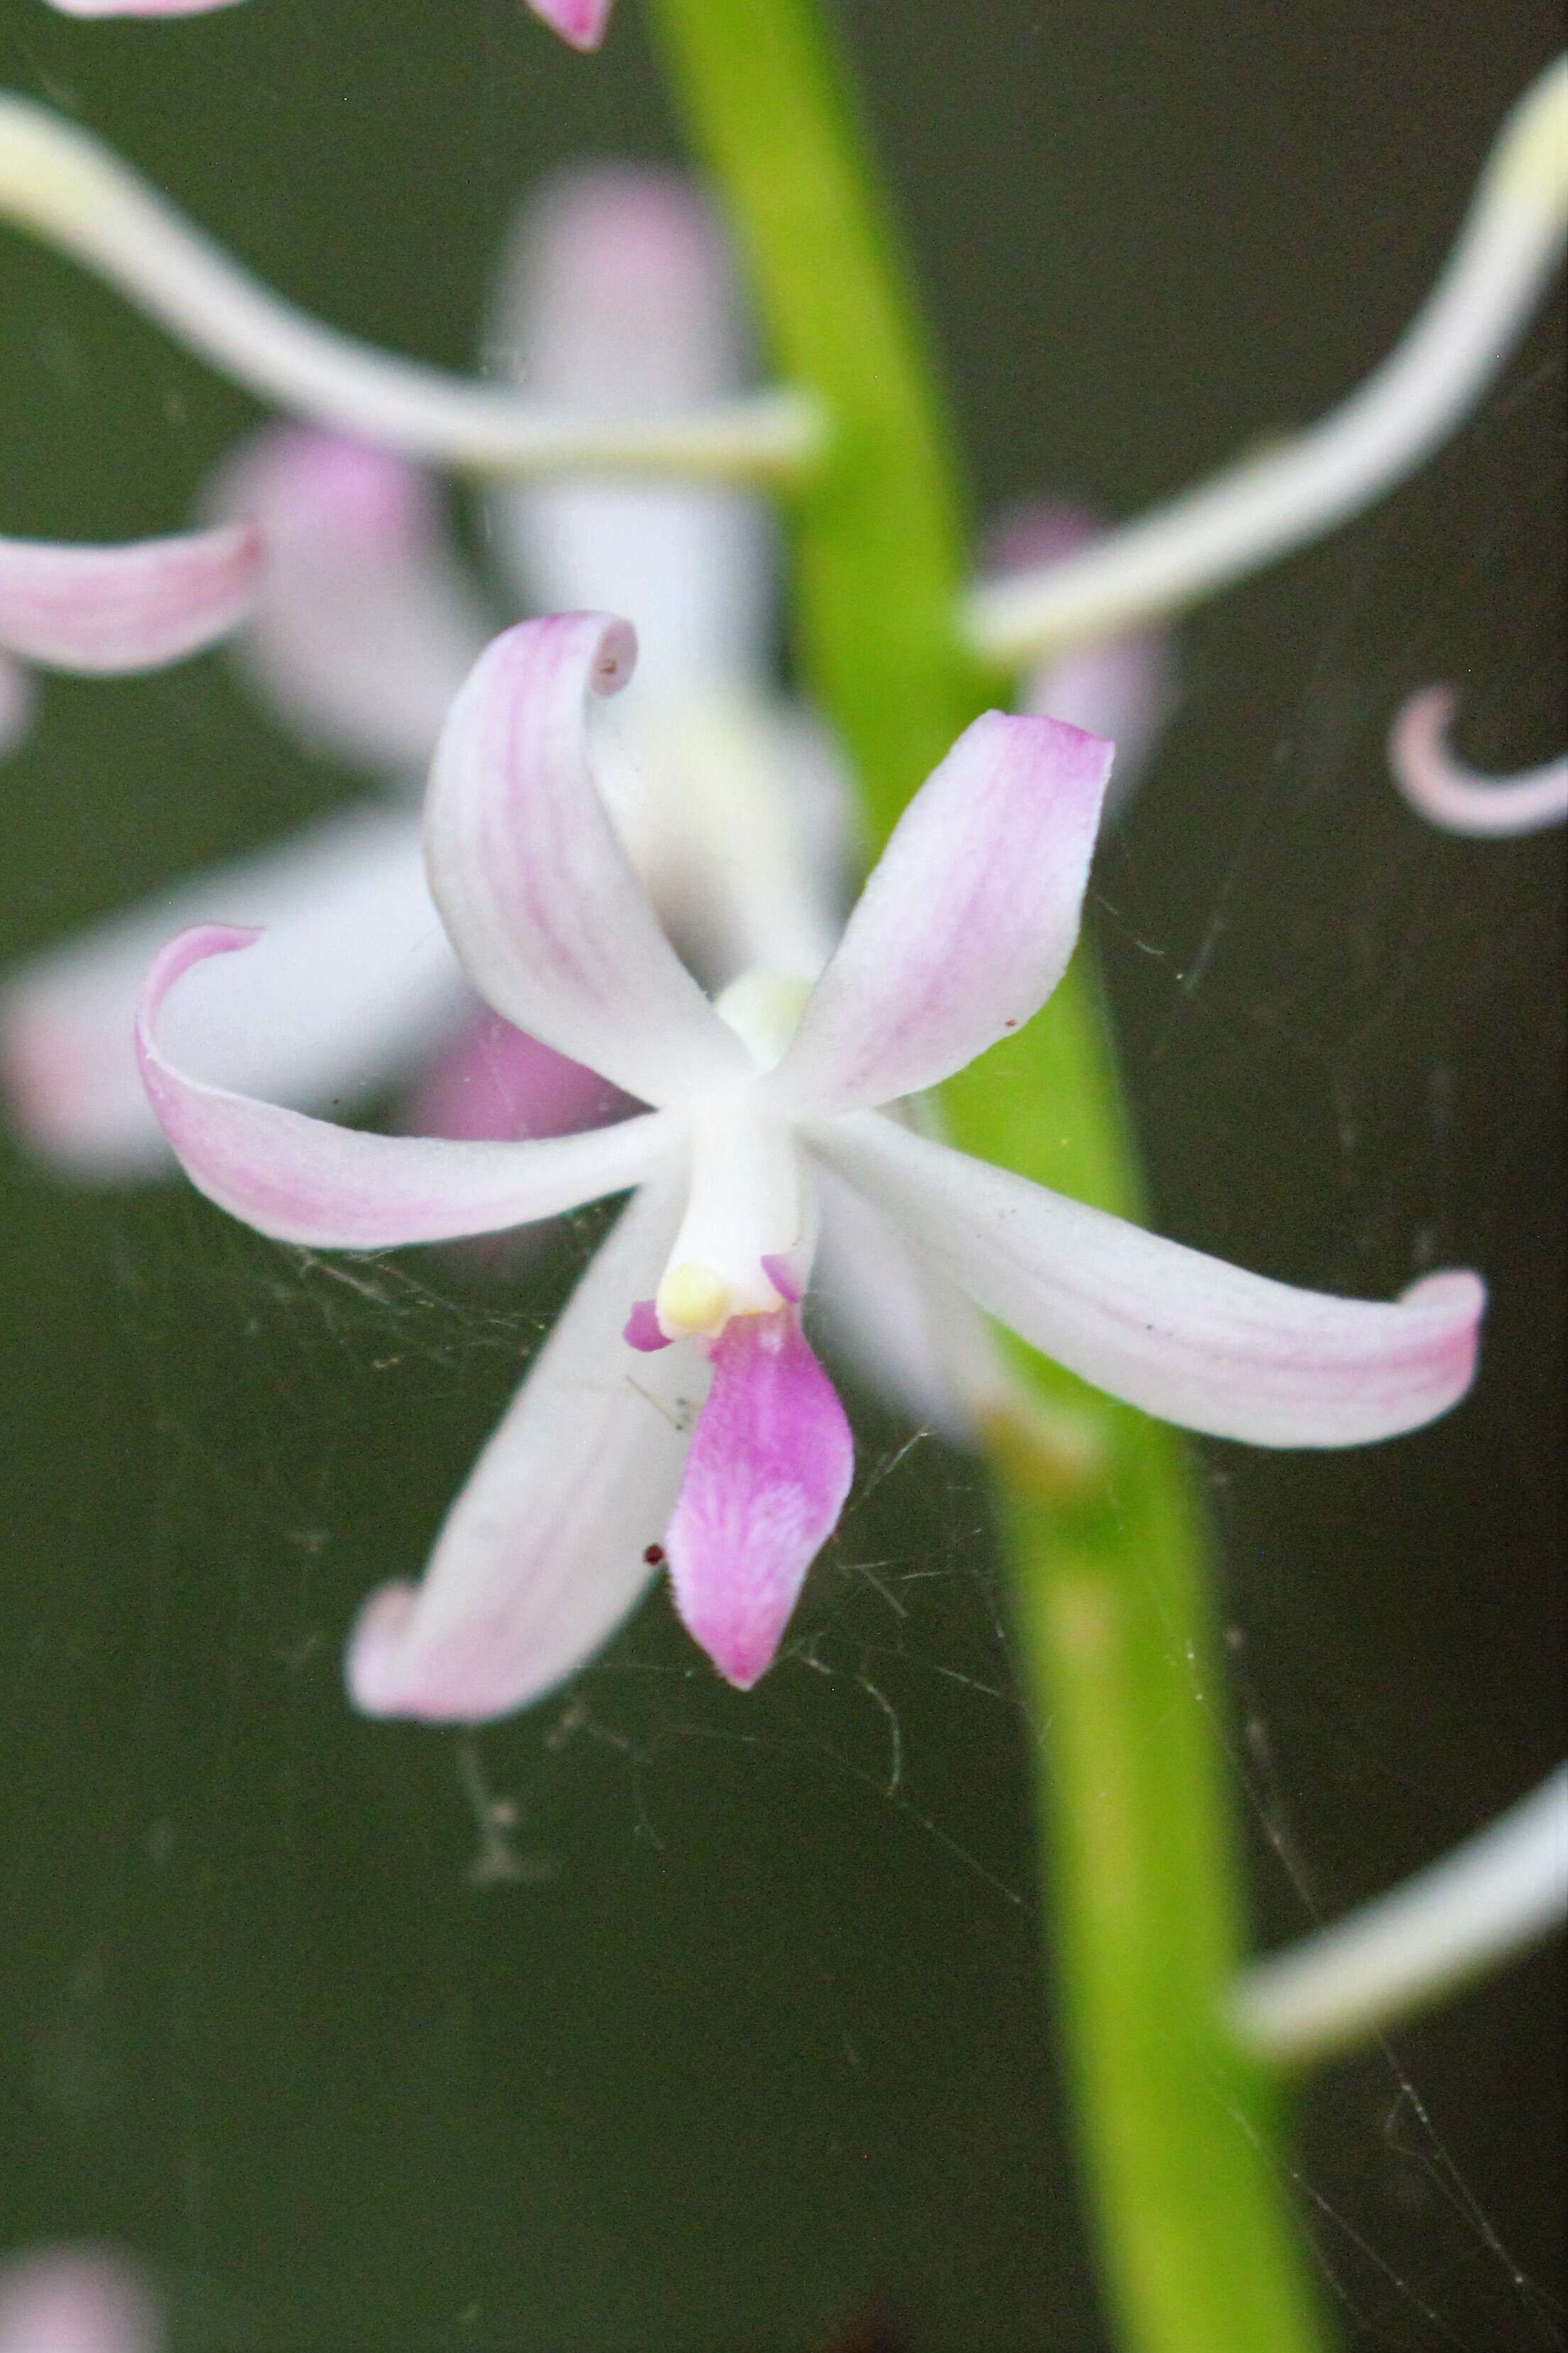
(1443, 789)
(1494, 1897)
(63, 185)
(1261, 509)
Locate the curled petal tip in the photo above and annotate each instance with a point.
(581, 23)
(1460, 800)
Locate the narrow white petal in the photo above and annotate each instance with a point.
(56, 180)
(617, 299)
(1255, 511)
(543, 1553)
(1186, 1337)
(535, 889)
(1494, 1897)
(305, 1180)
(966, 923)
(886, 1311)
(352, 987)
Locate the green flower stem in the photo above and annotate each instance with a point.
(1105, 1539)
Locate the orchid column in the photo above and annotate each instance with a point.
(1116, 1644)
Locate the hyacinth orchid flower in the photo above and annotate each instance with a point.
(101, 611)
(692, 1307)
(1458, 799)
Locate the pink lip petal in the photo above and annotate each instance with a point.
(769, 1467)
(536, 892)
(1184, 1336)
(583, 23)
(1459, 799)
(547, 1548)
(365, 626)
(304, 1180)
(105, 609)
(966, 923)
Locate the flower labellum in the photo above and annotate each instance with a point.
(678, 1410)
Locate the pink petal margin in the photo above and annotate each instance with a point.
(102, 609)
(583, 23)
(305, 1180)
(769, 1467)
(1458, 799)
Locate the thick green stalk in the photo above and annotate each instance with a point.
(1105, 1541)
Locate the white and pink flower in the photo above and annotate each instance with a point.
(582, 22)
(678, 1411)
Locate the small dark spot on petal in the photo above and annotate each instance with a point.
(1009, 1025)
(654, 1556)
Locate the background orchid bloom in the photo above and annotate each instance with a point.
(1442, 788)
(62, 2299)
(101, 611)
(616, 293)
(599, 1472)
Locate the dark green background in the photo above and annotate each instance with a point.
(755, 2043)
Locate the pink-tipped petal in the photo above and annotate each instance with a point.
(769, 1468)
(75, 2300)
(617, 297)
(535, 889)
(966, 923)
(582, 22)
(545, 1550)
(496, 1082)
(303, 1180)
(1461, 799)
(365, 626)
(1183, 1336)
(352, 986)
(102, 609)
(17, 696)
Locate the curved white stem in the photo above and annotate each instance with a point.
(1493, 1897)
(1269, 504)
(60, 182)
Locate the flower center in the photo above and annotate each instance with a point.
(744, 1240)
(763, 1009)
